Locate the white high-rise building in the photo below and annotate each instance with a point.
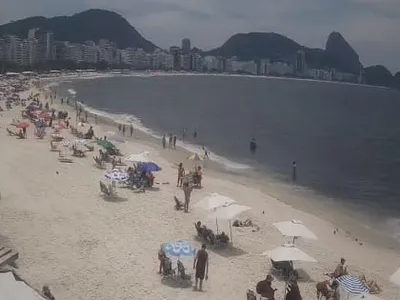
(90, 52)
(186, 46)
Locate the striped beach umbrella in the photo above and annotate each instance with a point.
(352, 284)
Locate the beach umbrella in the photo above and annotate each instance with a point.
(23, 125)
(149, 167)
(295, 228)
(395, 278)
(80, 142)
(288, 252)
(115, 138)
(352, 284)
(105, 144)
(228, 212)
(195, 157)
(117, 175)
(179, 249)
(141, 157)
(213, 201)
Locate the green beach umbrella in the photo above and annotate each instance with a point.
(105, 144)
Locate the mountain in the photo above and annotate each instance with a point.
(342, 53)
(93, 24)
(338, 53)
(248, 46)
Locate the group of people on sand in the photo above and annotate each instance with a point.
(266, 291)
(171, 141)
(200, 264)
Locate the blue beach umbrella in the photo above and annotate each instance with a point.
(179, 248)
(149, 167)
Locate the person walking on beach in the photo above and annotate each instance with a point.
(294, 171)
(86, 115)
(119, 127)
(174, 142)
(181, 173)
(187, 191)
(131, 129)
(200, 263)
(164, 141)
(170, 141)
(123, 130)
(62, 100)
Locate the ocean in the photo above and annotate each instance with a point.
(344, 138)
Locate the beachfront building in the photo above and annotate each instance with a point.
(248, 67)
(186, 62)
(186, 46)
(301, 67)
(280, 69)
(90, 52)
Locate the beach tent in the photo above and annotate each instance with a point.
(295, 228)
(12, 288)
(288, 252)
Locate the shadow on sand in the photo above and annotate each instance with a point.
(176, 283)
(115, 199)
(226, 251)
(303, 276)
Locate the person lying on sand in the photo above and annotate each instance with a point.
(373, 287)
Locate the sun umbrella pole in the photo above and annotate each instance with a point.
(230, 230)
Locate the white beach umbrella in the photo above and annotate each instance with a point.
(228, 212)
(288, 252)
(12, 289)
(395, 278)
(295, 229)
(213, 201)
(113, 136)
(140, 157)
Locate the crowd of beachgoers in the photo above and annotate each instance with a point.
(88, 205)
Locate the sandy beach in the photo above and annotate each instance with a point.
(86, 247)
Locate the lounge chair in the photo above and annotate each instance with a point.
(65, 160)
(11, 133)
(219, 239)
(107, 191)
(181, 272)
(90, 148)
(53, 147)
(179, 205)
(99, 162)
(78, 153)
(168, 271)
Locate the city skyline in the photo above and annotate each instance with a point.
(369, 25)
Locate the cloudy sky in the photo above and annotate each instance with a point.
(371, 26)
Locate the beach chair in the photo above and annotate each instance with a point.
(179, 205)
(181, 274)
(250, 295)
(90, 148)
(99, 162)
(216, 240)
(11, 133)
(53, 147)
(78, 153)
(168, 271)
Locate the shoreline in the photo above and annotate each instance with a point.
(85, 247)
(339, 213)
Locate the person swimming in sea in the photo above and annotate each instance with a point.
(253, 145)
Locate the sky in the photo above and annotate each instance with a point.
(370, 26)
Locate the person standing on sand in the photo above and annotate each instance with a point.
(119, 127)
(131, 129)
(200, 263)
(170, 141)
(164, 141)
(123, 130)
(161, 257)
(86, 115)
(174, 142)
(187, 191)
(181, 173)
